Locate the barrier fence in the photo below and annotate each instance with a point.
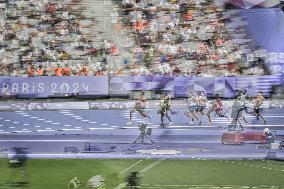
(44, 87)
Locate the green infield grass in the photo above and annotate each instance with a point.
(156, 174)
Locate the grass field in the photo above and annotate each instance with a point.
(158, 174)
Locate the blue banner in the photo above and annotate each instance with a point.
(126, 84)
(224, 86)
(42, 87)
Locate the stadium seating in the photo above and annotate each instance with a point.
(171, 38)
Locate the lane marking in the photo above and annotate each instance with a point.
(122, 172)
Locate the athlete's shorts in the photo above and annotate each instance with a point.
(200, 109)
(256, 110)
(192, 108)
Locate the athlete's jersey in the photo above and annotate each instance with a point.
(219, 105)
(141, 102)
(201, 100)
(191, 101)
(243, 99)
(257, 102)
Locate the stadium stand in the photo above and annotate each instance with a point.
(166, 37)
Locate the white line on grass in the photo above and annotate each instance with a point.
(143, 171)
(131, 166)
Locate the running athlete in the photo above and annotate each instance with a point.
(257, 102)
(217, 107)
(192, 107)
(201, 102)
(165, 107)
(236, 113)
(244, 106)
(140, 105)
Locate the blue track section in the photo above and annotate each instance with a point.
(77, 121)
(107, 132)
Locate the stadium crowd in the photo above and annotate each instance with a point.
(187, 38)
(44, 38)
(171, 37)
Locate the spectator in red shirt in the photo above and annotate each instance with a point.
(99, 72)
(83, 71)
(66, 71)
(40, 71)
(58, 70)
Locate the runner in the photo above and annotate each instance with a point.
(243, 97)
(201, 102)
(217, 107)
(192, 107)
(257, 102)
(140, 105)
(165, 107)
(236, 114)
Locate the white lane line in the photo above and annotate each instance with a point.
(170, 127)
(21, 131)
(272, 116)
(122, 172)
(137, 119)
(103, 124)
(44, 140)
(45, 130)
(16, 122)
(64, 111)
(70, 129)
(264, 125)
(143, 171)
(101, 128)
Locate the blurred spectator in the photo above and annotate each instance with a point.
(66, 71)
(31, 71)
(58, 70)
(40, 71)
(166, 37)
